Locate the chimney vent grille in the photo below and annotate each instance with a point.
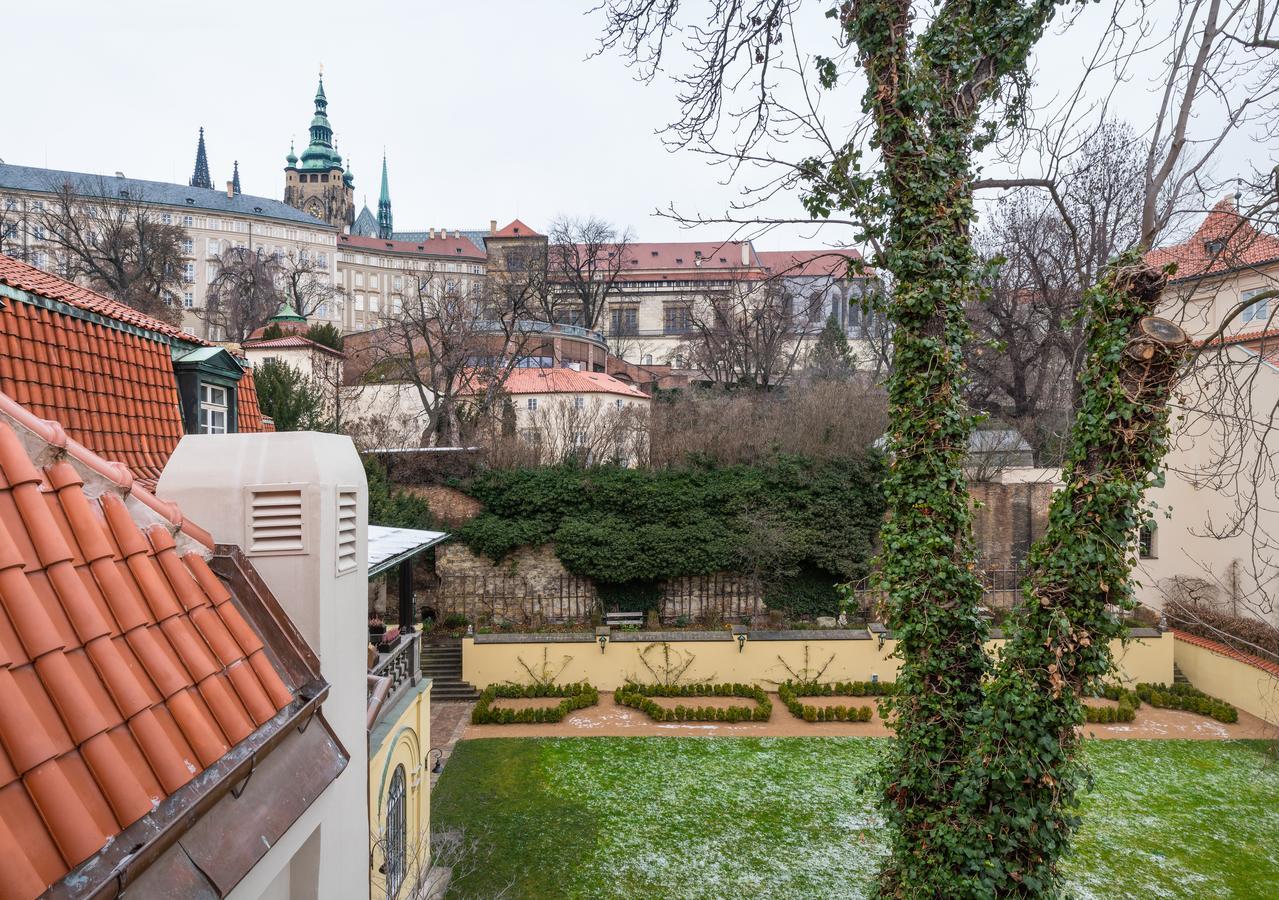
(347, 519)
(275, 522)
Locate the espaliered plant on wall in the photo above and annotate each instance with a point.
(638, 696)
(575, 696)
(544, 673)
(667, 665)
(636, 527)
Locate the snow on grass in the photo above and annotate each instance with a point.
(795, 817)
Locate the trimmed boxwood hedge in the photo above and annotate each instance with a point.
(791, 691)
(637, 696)
(1126, 711)
(1188, 698)
(576, 696)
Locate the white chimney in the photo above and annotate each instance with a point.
(296, 504)
(230, 190)
(746, 253)
(430, 232)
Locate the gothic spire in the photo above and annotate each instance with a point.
(235, 178)
(201, 176)
(384, 205)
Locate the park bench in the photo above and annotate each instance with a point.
(621, 619)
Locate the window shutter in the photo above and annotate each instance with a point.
(347, 518)
(275, 522)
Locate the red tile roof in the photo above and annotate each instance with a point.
(690, 256)
(113, 389)
(799, 263)
(568, 381)
(36, 281)
(290, 342)
(1240, 245)
(458, 247)
(515, 229)
(1264, 665)
(125, 667)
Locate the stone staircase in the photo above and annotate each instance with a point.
(1178, 676)
(442, 663)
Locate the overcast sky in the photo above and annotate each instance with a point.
(488, 110)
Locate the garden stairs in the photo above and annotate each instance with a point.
(1178, 676)
(442, 663)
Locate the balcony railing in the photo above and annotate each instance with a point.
(394, 673)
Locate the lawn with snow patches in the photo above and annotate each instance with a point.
(794, 817)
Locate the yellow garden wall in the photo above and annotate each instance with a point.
(762, 662)
(401, 737)
(1217, 674)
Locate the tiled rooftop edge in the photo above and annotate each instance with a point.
(77, 312)
(1256, 662)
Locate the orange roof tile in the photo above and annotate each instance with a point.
(1265, 665)
(1223, 242)
(515, 229)
(798, 263)
(567, 381)
(112, 388)
(459, 247)
(125, 667)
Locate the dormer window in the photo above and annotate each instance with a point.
(214, 406)
(1214, 246)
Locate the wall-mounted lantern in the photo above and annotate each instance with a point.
(741, 641)
(436, 766)
(601, 638)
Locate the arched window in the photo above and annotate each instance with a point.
(395, 834)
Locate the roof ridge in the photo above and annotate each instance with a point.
(120, 476)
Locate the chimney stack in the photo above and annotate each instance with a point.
(457, 235)
(746, 253)
(230, 190)
(430, 233)
(492, 226)
(296, 504)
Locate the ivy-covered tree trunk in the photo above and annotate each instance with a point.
(925, 101)
(1025, 771)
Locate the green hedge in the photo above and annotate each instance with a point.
(1126, 711)
(576, 696)
(812, 523)
(790, 693)
(637, 696)
(1188, 698)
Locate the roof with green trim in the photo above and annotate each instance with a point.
(102, 369)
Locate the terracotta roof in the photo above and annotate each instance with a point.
(801, 263)
(459, 247)
(125, 667)
(28, 278)
(113, 388)
(515, 229)
(1264, 665)
(1224, 241)
(290, 342)
(567, 381)
(690, 256)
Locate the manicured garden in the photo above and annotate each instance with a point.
(794, 817)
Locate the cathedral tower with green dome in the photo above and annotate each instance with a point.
(316, 183)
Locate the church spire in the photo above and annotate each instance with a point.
(201, 176)
(384, 205)
(235, 178)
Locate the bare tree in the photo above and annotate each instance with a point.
(598, 432)
(452, 351)
(116, 241)
(586, 259)
(751, 334)
(305, 282)
(243, 294)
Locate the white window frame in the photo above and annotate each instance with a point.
(1255, 312)
(215, 408)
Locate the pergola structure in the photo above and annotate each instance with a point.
(391, 547)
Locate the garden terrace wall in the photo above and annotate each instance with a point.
(854, 655)
(1250, 683)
